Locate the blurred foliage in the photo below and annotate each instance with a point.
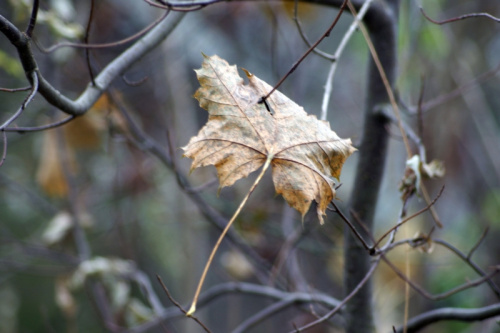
(129, 205)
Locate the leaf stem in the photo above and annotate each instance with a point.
(192, 309)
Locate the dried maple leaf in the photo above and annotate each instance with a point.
(241, 134)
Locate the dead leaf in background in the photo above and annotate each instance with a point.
(50, 172)
(241, 134)
(86, 131)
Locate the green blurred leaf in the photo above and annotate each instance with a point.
(491, 207)
(11, 65)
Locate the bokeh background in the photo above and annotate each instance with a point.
(135, 215)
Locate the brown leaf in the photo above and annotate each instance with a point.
(50, 172)
(86, 131)
(241, 134)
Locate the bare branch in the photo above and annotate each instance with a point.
(462, 17)
(351, 226)
(15, 89)
(303, 34)
(409, 218)
(34, 13)
(344, 301)
(467, 259)
(478, 243)
(440, 100)
(104, 45)
(298, 62)
(119, 65)
(245, 289)
(180, 306)
(445, 294)
(29, 98)
(86, 41)
(340, 49)
(458, 314)
(4, 153)
(40, 128)
(263, 314)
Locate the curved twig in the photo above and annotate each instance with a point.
(445, 294)
(408, 219)
(304, 37)
(340, 49)
(40, 128)
(298, 62)
(353, 229)
(15, 89)
(119, 65)
(104, 45)
(32, 23)
(177, 305)
(478, 243)
(457, 314)
(29, 98)
(241, 288)
(459, 18)
(466, 259)
(344, 301)
(86, 41)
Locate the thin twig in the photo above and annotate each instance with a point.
(32, 22)
(344, 301)
(385, 80)
(409, 218)
(180, 306)
(114, 69)
(351, 226)
(134, 83)
(291, 241)
(472, 264)
(15, 89)
(262, 314)
(241, 288)
(105, 45)
(340, 49)
(303, 34)
(439, 100)
(4, 154)
(40, 128)
(86, 41)
(182, 7)
(145, 284)
(479, 241)
(458, 18)
(29, 98)
(436, 297)
(297, 63)
(417, 323)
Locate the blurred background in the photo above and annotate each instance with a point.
(137, 221)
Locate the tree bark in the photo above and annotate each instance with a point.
(381, 21)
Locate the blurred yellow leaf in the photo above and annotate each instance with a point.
(85, 132)
(50, 173)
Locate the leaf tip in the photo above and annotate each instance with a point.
(320, 213)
